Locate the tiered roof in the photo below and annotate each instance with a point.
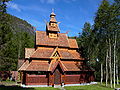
(46, 53)
(40, 65)
(43, 39)
(42, 56)
(54, 27)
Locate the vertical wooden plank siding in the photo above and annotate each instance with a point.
(81, 78)
(37, 80)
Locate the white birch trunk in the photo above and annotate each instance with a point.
(114, 61)
(110, 64)
(101, 73)
(117, 77)
(107, 68)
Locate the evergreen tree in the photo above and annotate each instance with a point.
(5, 35)
(13, 40)
(104, 37)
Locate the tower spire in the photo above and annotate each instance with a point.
(52, 9)
(52, 16)
(52, 25)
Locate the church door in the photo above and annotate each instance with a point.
(57, 76)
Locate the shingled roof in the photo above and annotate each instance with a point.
(73, 43)
(39, 65)
(76, 66)
(24, 66)
(62, 40)
(48, 52)
(42, 53)
(43, 39)
(70, 54)
(29, 52)
(34, 66)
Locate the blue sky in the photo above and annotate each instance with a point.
(71, 13)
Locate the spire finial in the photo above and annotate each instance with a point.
(52, 14)
(53, 10)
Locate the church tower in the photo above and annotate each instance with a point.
(52, 27)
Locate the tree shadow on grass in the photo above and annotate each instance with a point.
(14, 87)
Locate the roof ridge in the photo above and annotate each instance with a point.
(54, 50)
(50, 65)
(22, 65)
(55, 65)
(28, 65)
(63, 65)
(34, 52)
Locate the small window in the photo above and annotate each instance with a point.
(52, 35)
(53, 24)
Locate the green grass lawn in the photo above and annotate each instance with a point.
(91, 87)
(86, 87)
(21, 88)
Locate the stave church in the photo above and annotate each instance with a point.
(54, 60)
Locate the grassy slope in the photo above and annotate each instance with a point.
(87, 87)
(91, 87)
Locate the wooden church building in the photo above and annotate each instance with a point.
(54, 60)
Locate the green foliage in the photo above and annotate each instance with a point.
(15, 35)
(87, 43)
(95, 41)
(12, 46)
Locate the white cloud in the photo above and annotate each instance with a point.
(13, 6)
(48, 1)
(69, 1)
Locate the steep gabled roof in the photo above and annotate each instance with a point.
(71, 66)
(48, 53)
(38, 66)
(54, 64)
(65, 54)
(29, 52)
(34, 66)
(24, 66)
(42, 53)
(43, 39)
(54, 52)
(76, 66)
(73, 43)
(70, 54)
(75, 54)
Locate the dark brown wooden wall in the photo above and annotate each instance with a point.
(36, 80)
(48, 79)
(76, 79)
